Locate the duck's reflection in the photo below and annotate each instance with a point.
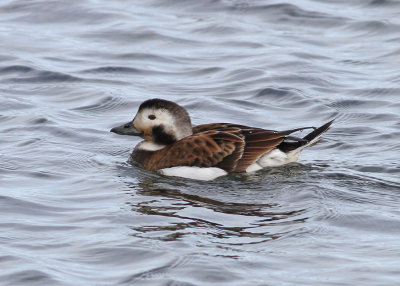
(237, 210)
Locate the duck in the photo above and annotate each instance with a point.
(171, 146)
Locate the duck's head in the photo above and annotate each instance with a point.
(160, 121)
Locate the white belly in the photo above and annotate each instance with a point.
(196, 173)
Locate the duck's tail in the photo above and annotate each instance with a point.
(292, 143)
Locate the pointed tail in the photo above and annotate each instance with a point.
(309, 140)
(315, 136)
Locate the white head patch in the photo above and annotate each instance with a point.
(149, 117)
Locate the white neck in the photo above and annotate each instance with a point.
(149, 146)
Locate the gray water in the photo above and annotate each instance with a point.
(73, 211)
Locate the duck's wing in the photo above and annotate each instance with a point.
(204, 149)
(257, 142)
(260, 141)
(222, 127)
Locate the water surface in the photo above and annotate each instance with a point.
(74, 212)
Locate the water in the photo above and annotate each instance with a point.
(74, 212)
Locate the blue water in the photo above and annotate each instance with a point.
(73, 211)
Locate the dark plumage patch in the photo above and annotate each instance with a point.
(161, 136)
(157, 103)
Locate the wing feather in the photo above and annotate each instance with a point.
(257, 141)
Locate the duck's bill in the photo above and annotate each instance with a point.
(127, 129)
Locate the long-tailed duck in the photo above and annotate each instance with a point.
(172, 146)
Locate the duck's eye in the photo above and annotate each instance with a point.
(152, 117)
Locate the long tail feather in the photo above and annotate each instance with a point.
(308, 140)
(317, 132)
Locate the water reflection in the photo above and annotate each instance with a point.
(238, 210)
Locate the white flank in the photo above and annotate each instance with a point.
(277, 158)
(149, 146)
(253, 168)
(196, 173)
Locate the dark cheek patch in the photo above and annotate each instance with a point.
(161, 136)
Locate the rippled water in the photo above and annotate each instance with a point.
(74, 212)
